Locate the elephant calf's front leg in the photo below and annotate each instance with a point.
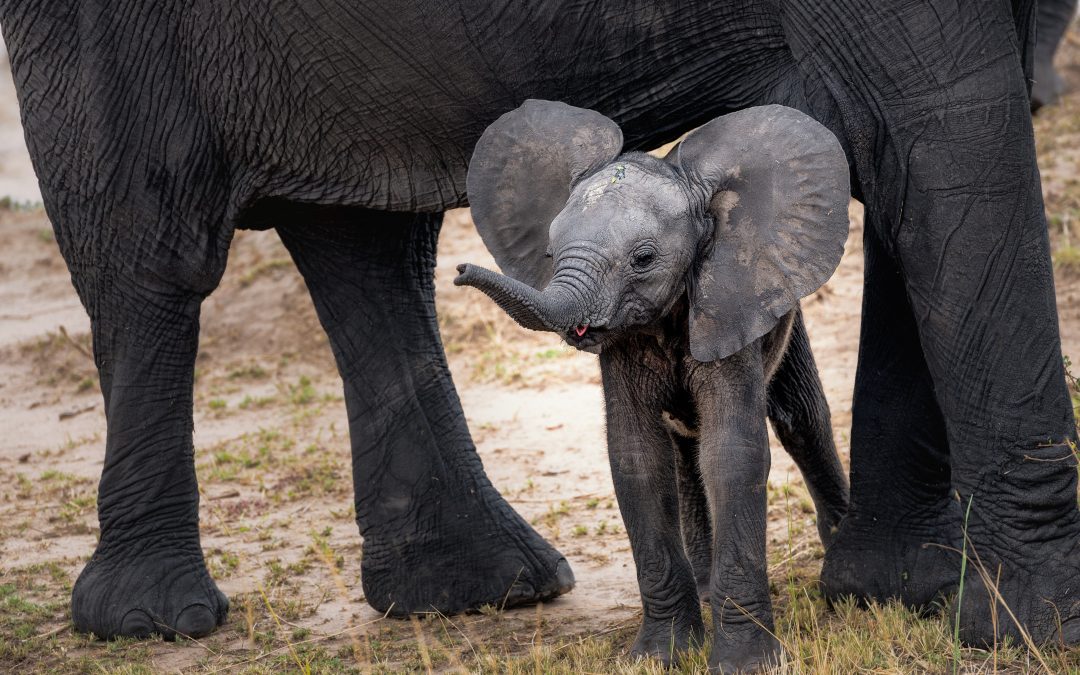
(734, 460)
(643, 471)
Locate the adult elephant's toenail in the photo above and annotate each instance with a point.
(522, 592)
(195, 621)
(1070, 631)
(564, 577)
(137, 624)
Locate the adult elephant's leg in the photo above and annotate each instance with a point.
(902, 525)
(437, 535)
(800, 417)
(976, 259)
(147, 574)
(941, 111)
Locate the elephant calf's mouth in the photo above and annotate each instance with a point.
(584, 336)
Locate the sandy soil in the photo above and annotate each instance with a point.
(17, 179)
(272, 447)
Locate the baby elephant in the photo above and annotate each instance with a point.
(685, 275)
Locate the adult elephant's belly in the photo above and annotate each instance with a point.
(380, 108)
(349, 108)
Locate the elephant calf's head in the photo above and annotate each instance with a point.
(746, 216)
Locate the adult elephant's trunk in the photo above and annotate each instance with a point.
(553, 309)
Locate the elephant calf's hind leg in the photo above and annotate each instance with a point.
(800, 417)
(695, 522)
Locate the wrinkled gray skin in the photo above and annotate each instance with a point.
(632, 249)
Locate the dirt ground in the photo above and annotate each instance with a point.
(272, 450)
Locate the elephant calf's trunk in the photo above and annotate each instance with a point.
(530, 308)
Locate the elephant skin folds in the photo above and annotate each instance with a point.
(158, 133)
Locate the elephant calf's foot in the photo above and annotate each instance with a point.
(915, 561)
(484, 559)
(138, 590)
(1042, 591)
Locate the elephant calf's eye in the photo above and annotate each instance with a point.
(643, 258)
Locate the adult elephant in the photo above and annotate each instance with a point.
(157, 129)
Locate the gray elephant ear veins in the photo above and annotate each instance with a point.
(521, 174)
(780, 189)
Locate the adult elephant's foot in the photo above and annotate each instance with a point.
(141, 588)
(915, 560)
(667, 640)
(758, 654)
(1041, 590)
(482, 556)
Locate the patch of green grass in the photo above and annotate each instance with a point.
(241, 457)
(60, 497)
(251, 372)
(1067, 259)
(319, 473)
(54, 476)
(24, 487)
(320, 549)
(302, 392)
(278, 634)
(257, 402)
(23, 617)
(551, 354)
(21, 620)
(222, 564)
(78, 506)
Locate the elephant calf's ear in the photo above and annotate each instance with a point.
(780, 189)
(521, 174)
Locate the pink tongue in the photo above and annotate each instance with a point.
(580, 330)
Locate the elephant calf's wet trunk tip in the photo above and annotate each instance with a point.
(548, 310)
